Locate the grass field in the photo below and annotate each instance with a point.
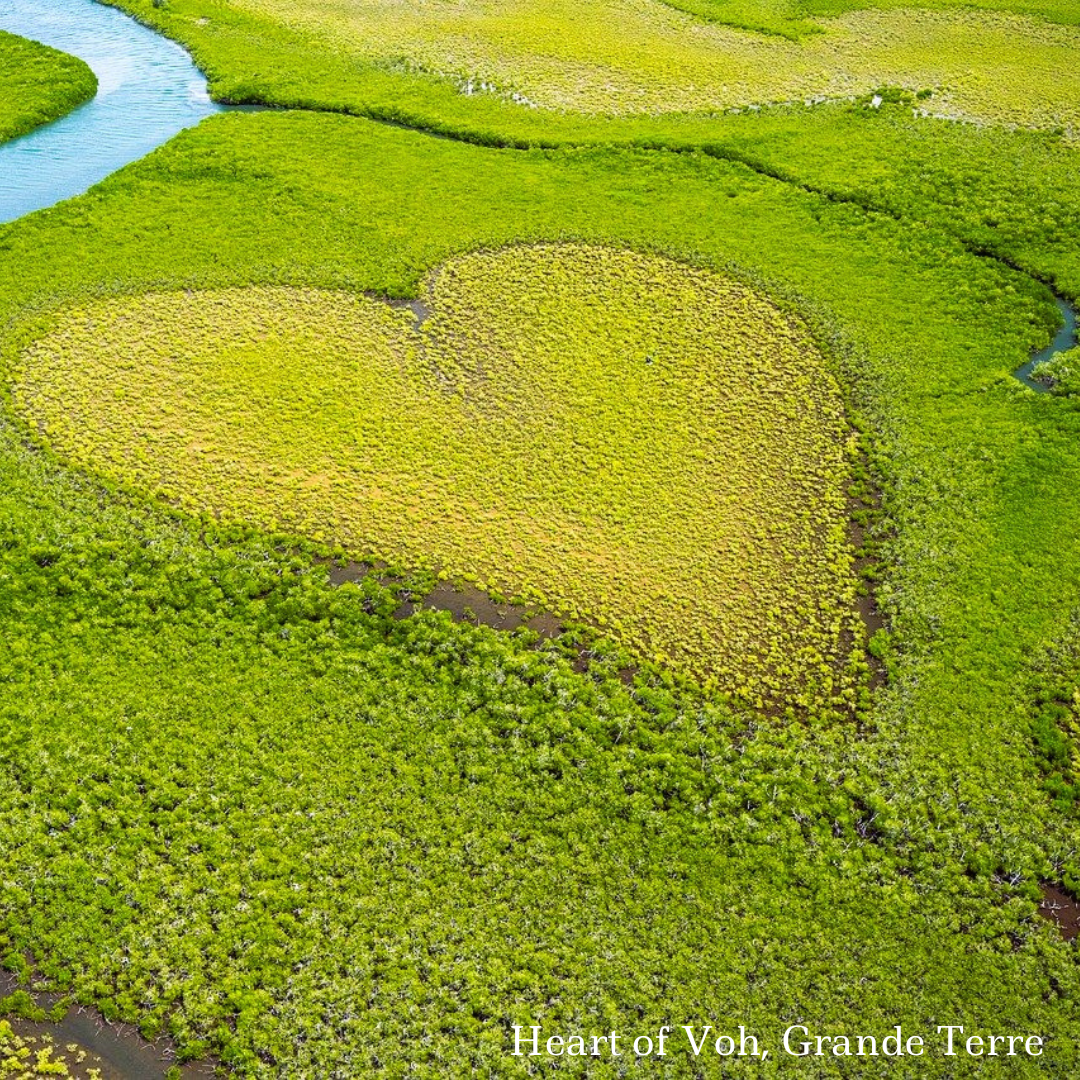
(618, 438)
(796, 19)
(627, 57)
(228, 676)
(263, 815)
(38, 84)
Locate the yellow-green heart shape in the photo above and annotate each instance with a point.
(639, 442)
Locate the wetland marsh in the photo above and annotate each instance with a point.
(251, 808)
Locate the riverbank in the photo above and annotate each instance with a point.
(38, 85)
(148, 90)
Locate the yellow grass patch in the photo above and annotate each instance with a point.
(644, 444)
(631, 56)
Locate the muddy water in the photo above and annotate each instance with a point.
(1061, 909)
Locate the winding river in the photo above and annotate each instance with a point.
(1064, 340)
(148, 90)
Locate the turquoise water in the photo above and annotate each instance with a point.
(148, 90)
(1065, 340)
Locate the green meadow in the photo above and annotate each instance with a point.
(796, 19)
(611, 69)
(730, 392)
(617, 438)
(38, 84)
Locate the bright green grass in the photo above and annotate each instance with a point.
(797, 18)
(619, 438)
(193, 729)
(38, 84)
(1015, 195)
(1061, 372)
(491, 61)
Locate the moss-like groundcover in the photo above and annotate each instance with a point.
(38, 84)
(615, 437)
(265, 816)
(517, 67)
(233, 864)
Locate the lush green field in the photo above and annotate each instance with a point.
(1011, 194)
(797, 18)
(514, 64)
(38, 84)
(263, 815)
(614, 437)
(247, 704)
(25, 1057)
(634, 56)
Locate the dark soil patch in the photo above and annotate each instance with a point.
(467, 603)
(1061, 909)
(420, 309)
(117, 1051)
(864, 514)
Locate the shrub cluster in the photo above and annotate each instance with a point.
(613, 436)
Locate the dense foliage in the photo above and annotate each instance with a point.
(1056, 726)
(38, 84)
(278, 821)
(264, 815)
(796, 19)
(545, 70)
(1061, 373)
(615, 437)
(224, 707)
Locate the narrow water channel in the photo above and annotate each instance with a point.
(148, 90)
(1064, 340)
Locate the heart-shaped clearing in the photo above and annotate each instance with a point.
(640, 443)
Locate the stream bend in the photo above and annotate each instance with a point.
(1064, 340)
(148, 90)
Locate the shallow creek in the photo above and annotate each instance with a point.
(1063, 341)
(148, 90)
